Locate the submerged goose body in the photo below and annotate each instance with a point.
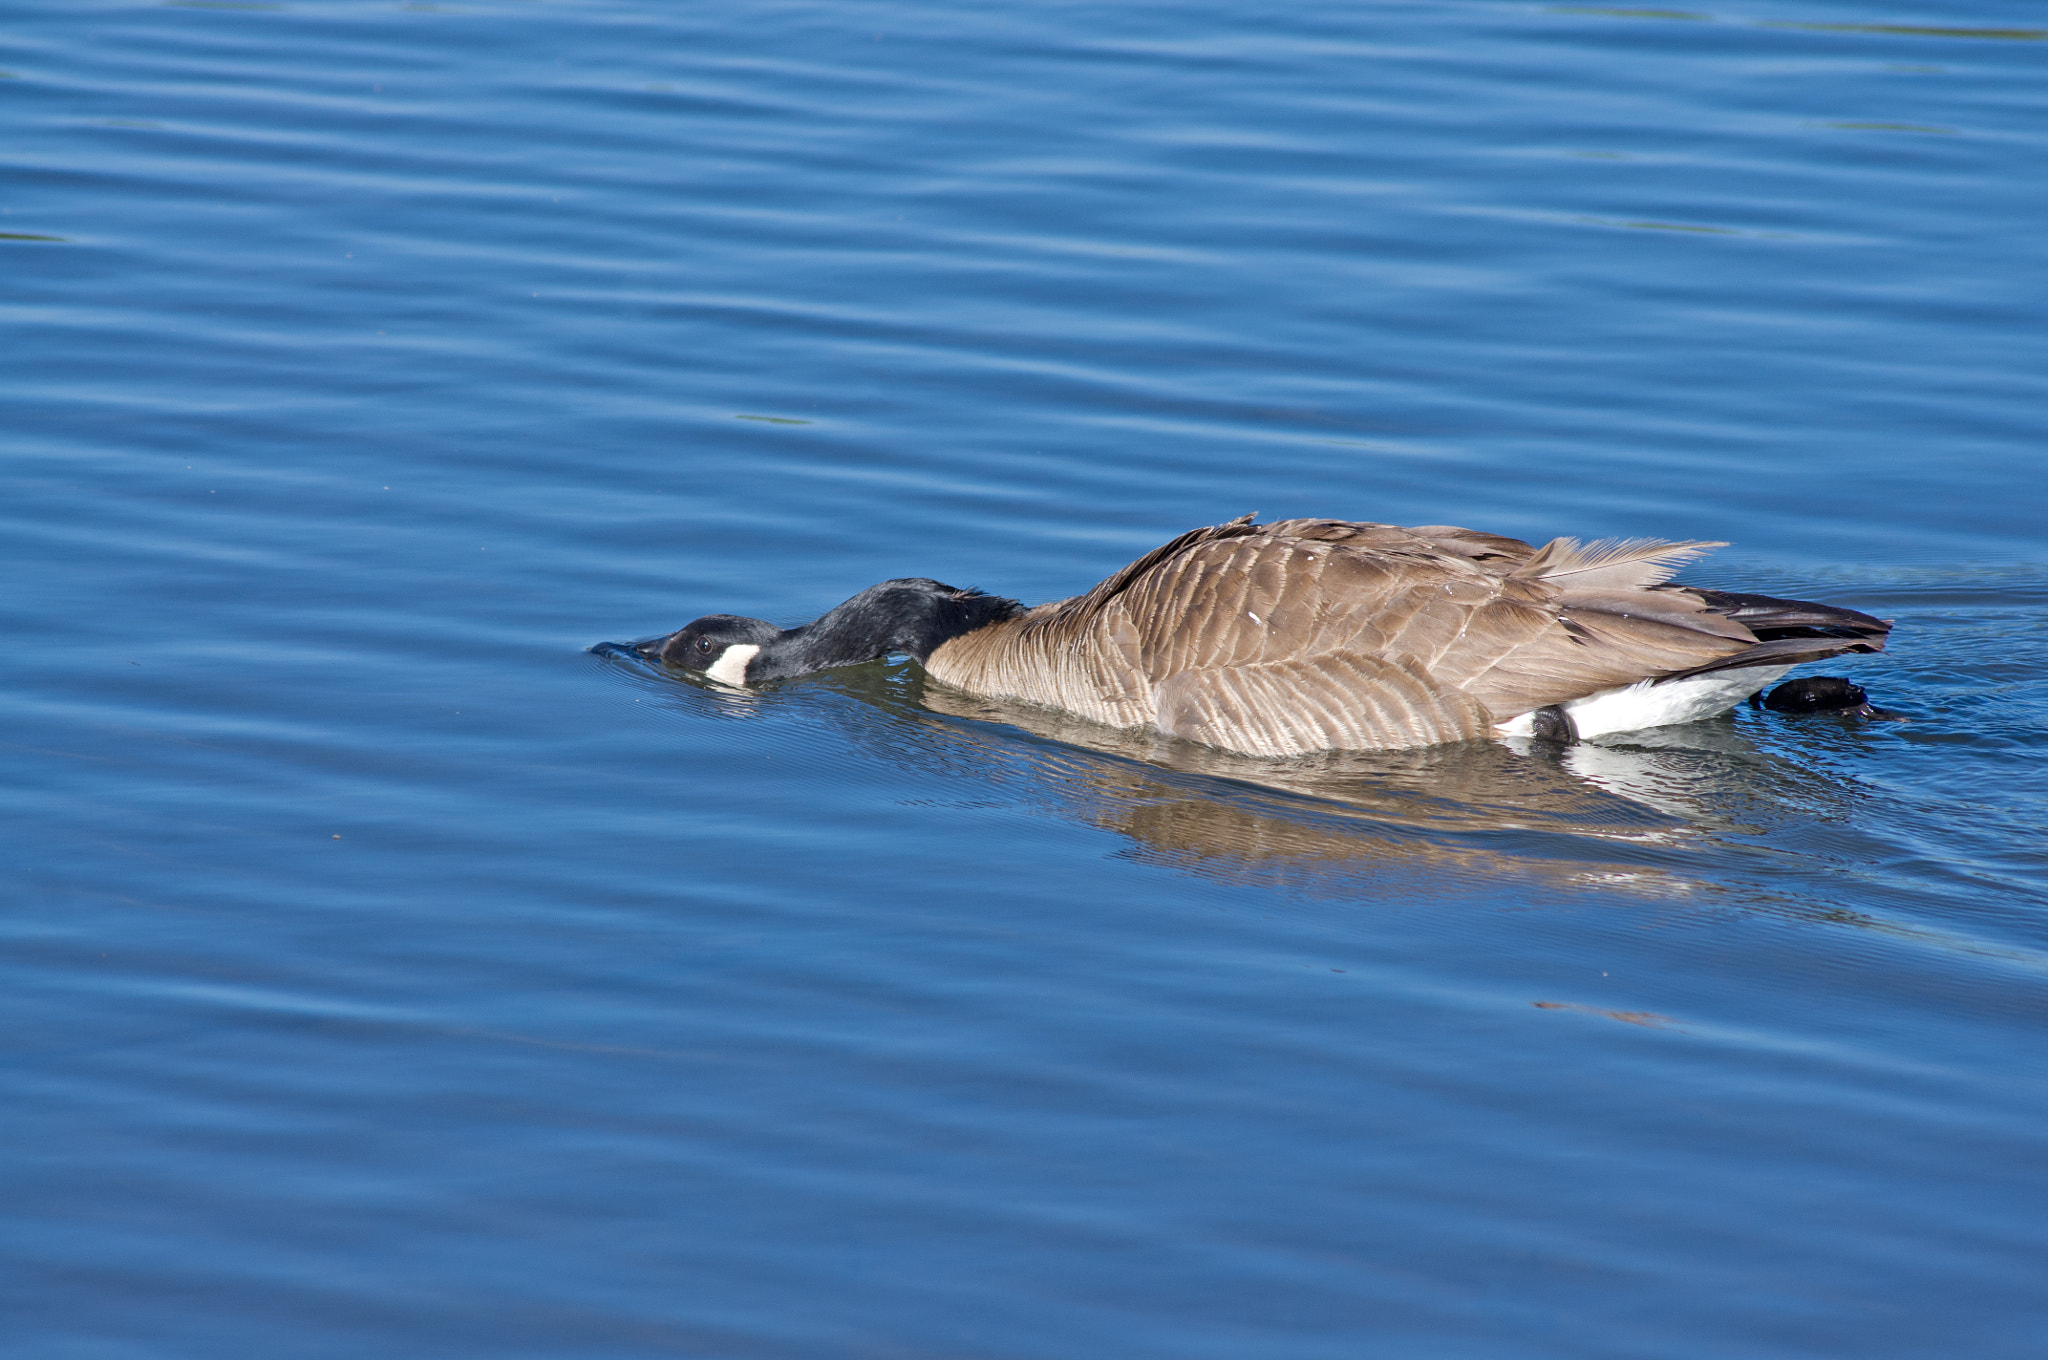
(1310, 635)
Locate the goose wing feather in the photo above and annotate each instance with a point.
(1474, 620)
(1299, 590)
(1624, 563)
(1314, 634)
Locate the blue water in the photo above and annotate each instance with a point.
(382, 973)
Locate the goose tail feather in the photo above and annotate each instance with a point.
(1610, 563)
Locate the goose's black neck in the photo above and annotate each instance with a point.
(913, 615)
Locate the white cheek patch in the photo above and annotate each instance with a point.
(731, 666)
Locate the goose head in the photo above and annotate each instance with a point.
(911, 615)
(717, 645)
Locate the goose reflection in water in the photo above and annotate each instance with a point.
(1586, 814)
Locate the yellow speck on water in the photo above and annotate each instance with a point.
(1647, 1019)
(1888, 127)
(1922, 31)
(1629, 13)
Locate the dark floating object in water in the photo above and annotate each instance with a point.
(1815, 694)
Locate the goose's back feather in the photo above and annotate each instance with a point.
(1310, 635)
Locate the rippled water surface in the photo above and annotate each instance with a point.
(385, 974)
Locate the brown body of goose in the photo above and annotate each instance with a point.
(1311, 634)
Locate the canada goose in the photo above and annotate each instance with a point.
(1314, 634)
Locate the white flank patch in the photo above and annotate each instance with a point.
(1631, 708)
(731, 666)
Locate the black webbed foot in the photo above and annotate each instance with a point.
(1554, 725)
(1816, 694)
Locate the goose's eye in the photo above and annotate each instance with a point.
(704, 646)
